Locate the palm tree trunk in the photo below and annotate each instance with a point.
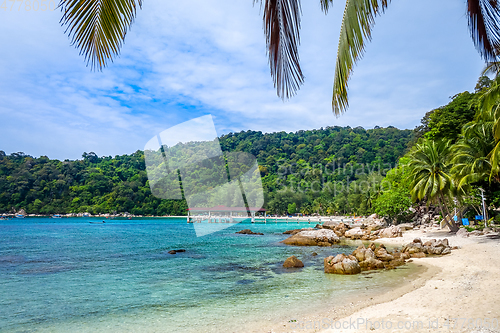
(453, 227)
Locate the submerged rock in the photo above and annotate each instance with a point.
(248, 232)
(292, 262)
(176, 251)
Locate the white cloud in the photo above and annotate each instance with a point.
(186, 59)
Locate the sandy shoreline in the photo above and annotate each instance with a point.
(459, 292)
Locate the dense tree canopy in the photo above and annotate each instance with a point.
(320, 167)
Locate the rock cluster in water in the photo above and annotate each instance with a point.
(248, 232)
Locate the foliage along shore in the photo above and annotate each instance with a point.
(100, 185)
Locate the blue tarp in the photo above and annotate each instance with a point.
(465, 221)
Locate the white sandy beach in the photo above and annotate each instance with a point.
(459, 292)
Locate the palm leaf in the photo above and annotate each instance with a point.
(281, 27)
(484, 18)
(98, 27)
(356, 27)
(325, 5)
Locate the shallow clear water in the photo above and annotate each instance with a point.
(71, 275)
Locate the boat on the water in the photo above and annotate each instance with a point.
(20, 216)
(97, 222)
(56, 216)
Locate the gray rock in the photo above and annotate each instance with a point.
(463, 233)
(342, 264)
(321, 237)
(292, 262)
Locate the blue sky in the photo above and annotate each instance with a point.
(184, 59)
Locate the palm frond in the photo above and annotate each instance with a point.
(98, 27)
(491, 68)
(484, 18)
(325, 5)
(282, 31)
(357, 23)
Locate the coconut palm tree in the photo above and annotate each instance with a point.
(472, 154)
(429, 174)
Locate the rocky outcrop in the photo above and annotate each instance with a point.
(373, 223)
(340, 229)
(322, 237)
(406, 226)
(417, 249)
(390, 232)
(342, 264)
(361, 233)
(248, 232)
(296, 231)
(366, 259)
(292, 262)
(354, 233)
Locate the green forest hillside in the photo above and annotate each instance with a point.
(325, 171)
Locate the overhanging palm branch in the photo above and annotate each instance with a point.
(357, 23)
(484, 19)
(484, 25)
(98, 27)
(281, 27)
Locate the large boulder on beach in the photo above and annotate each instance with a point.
(382, 254)
(406, 226)
(362, 253)
(329, 225)
(342, 264)
(293, 262)
(462, 232)
(371, 264)
(321, 237)
(390, 232)
(417, 249)
(354, 233)
(340, 229)
(373, 223)
(378, 259)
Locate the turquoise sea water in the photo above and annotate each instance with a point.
(62, 275)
